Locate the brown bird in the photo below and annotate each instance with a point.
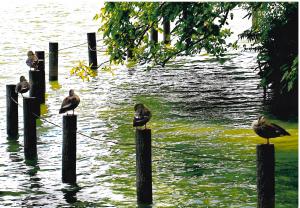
(32, 60)
(70, 102)
(23, 86)
(142, 115)
(268, 130)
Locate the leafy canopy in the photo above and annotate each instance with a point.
(198, 26)
(274, 36)
(126, 26)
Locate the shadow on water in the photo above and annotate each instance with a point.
(70, 193)
(14, 150)
(144, 205)
(54, 85)
(33, 167)
(44, 109)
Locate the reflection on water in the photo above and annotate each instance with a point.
(201, 106)
(70, 193)
(54, 85)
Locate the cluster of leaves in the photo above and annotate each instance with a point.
(85, 72)
(274, 35)
(126, 26)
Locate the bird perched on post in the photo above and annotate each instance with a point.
(32, 60)
(23, 86)
(70, 102)
(141, 116)
(268, 130)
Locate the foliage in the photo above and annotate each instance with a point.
(127, 29)
(275, 36)
(83, 71)
(126, 26)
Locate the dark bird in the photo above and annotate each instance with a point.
(70, 102)
(141, 116)
(32, 60)
(23, 86)
(268, 130)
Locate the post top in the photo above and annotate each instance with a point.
(11, 85)
(35, 71)
(69, 115)
(29, 98)
(265, 147)
(143, 130)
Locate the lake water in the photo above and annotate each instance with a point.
(202, 110)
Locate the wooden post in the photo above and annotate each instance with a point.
(167, 31)
(53, 61)
(40, 55)
(12, 112)
(41, 67)
(92, 50)
(154, 35)
(143, 166)
(129, 53)
(69, 149)
(187, 28)
(35, 80)
(29, 107)
(265, 175)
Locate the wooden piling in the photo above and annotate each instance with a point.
(92, 50)
(185, 14)
(40, 55)
(53, 61)
(167, 31)
(41, 67)
(69, 149)
(35, 80)
(154, 35)
(143, 166)
(129, 53)
(12, 125)
(265, 175)
(29, 108)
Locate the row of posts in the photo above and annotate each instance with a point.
(265, 152)
(31, 111)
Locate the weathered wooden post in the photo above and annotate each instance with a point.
(167, 31)
(143, 166)
(12, 125)
(69, 149)
(40, 55)
(41, 67)
(53, 61)
(129, 53)
(35, 80)
(154, 35)
(265, 175)
(29, 108)
(187, 28)
(92, 49)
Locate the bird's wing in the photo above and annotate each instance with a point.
(75, 100)
(279, 129)
(147, 113)
(66, 103)
(26, 85)
(18, 88)
(28, 62)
